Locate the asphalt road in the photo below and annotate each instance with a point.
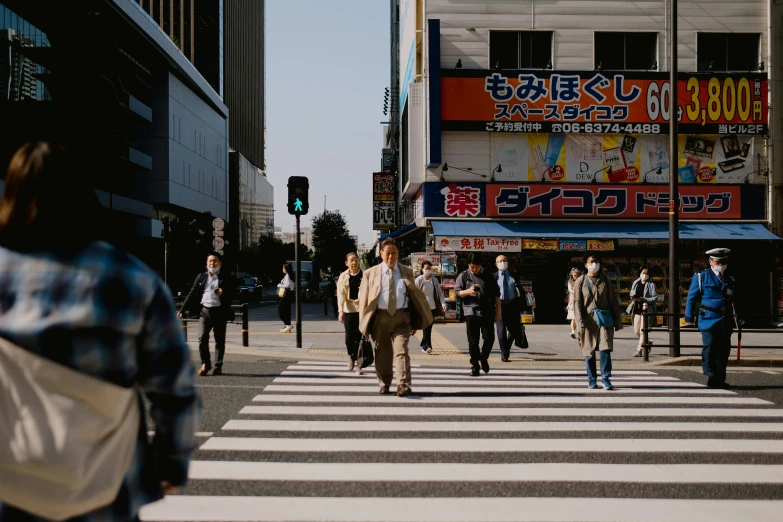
(305, 450)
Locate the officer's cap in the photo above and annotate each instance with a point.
(718, 253)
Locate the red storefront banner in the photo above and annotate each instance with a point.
(628, 202)
(601, 102)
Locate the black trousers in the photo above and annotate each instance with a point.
(481, 325)
(426, 336)
(284, 309)
(352, 334)
(508, 328)
(334, 305)
(212, 319)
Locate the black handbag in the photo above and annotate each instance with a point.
(521, 340)
(366, 356)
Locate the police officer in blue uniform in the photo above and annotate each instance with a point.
(711, 303)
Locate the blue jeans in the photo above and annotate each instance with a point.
(715, 354)
(606, 366)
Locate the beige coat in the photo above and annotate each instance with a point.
(344, 303)
(591, 336)
(370, 291)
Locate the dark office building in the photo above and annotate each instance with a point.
(196, 27)
(245, 77)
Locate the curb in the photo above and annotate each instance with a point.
(771, 362)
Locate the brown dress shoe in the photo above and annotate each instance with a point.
(384, 390)
(204, 370)
(218, 371)
(404, 391)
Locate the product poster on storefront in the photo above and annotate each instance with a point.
(620, 158)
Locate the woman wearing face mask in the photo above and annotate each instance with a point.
(572, 277)
(594, 301)
(642, 291)
(287, 286)
(430, 285)
(348, 304)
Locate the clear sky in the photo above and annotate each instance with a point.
(327, 64)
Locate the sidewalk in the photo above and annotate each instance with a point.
(323, 336)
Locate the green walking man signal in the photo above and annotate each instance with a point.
(298, 188)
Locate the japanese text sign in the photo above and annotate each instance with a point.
(540, 244)
(601, 102)
(630, 202)
(573, 245)
(383, 195)
(480, 244)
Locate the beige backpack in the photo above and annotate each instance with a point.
(66, 439)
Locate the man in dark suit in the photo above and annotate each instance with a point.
(210, 298)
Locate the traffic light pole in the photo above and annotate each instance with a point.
(674, 197)
(298, 290)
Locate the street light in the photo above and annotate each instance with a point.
(674, 195)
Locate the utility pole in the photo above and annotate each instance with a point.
(298, 204)
(674, 196)
(298, 291)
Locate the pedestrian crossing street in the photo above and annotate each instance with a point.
(320, 444)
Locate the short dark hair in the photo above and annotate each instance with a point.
(475, 258)
(592, 256)
(389, 242)
(288, 269)
(217, 255)
(643, 268)
(349, 254)
(426, 263)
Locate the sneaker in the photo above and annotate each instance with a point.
(351, 364)
(573, 335)
(637, 353)
(289, 329)
(592, 385)
(424, 349)
(607, 384)
(485, 366)
(429, 350)
(283, 329)
(359, 370)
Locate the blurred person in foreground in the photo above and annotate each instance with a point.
(94, 314)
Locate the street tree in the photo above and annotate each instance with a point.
(331, 241)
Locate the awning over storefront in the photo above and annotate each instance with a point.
(571, 230)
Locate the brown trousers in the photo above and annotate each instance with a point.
(391, 334)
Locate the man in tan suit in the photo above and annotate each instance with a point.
(391, 309)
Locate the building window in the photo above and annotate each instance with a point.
(520, 49)
(626, 51)
(727, 51)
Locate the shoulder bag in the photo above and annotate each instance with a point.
(66, 439)
(602, 317)
(365, 357)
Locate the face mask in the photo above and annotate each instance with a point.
(645, 277)
(718, 269)
(213, 270)
(502, 266)
(427, 272)
(594, 267)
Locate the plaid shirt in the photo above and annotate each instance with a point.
(104, 313)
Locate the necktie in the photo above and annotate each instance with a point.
(720, 278)
(392, 308)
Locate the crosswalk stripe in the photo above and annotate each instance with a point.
(374, 411)
(486, 389)
(496, 446)
(438, 426)
(539, 509)
(332, 363)
(593, 399)
(479, 382)
(464, 376)
(454, 472)
(502, 371)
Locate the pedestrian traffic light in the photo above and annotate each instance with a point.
(298, 187)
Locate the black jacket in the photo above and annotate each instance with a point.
(192, 302)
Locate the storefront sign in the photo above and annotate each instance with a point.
(383, 196)
(594, 245)
(573, 245)
(601, 102)
(539, 244)
(621, 158)
(631, 202)
(479, 244)
(506, 200)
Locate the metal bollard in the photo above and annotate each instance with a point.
(645, 336)
(185, 329)
(245, 326)
(326, 303)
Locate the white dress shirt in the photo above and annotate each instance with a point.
(209, 299)
(399, 285)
